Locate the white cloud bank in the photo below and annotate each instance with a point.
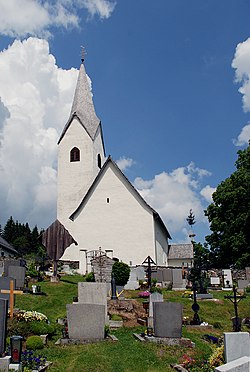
(174, 194)
(241, 65)
(19, 18)
(125, 163)
(36, 98)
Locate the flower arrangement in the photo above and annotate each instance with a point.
(187, 361)
(31, 362)
(28, 316)
(144, 294)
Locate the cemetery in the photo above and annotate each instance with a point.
(75, 324)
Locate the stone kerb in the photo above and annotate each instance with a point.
(238, 365)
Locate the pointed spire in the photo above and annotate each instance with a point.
(83, 107)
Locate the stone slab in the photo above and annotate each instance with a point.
(167, 275)
(167, 319)
(4, 363)
(3, 324)
(18, 273)
(204, 296)
(154, 297)
(8, 263)
(15, 367)
(238, 365)
(92, 293)
(86, 321)
(5, 284)
(248, 273)
(237, 345)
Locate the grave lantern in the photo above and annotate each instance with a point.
(16, 348)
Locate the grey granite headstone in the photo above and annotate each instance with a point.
(237, 345)
(92, 293)
(5, 284)
(178, 282)
(158, 275)
(167, 319)
(86, 321)
(18, 273)
(239, 365)
(3, 323)
(154, 297)
(8, 263)
(167, 275)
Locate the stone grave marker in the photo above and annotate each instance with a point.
(1, 268)
(92, 293)
(248, 274)
(227, 278)
(133, 282)
(154, 297)
(237, 345)
(5, 285)
(242, 284)
(102, 268)
(238, 365)
(167, 319)
(140, 270)
(215, 281)
(3, 324)
(18, 273)
(158, 274)
(86, 321)
(8, 263)
(178, 282)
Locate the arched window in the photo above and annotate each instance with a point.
(75, 154)
(99, 161)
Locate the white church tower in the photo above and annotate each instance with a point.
(81, 151)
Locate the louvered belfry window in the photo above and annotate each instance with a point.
(75, 154)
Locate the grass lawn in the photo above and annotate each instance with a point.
(128, 354)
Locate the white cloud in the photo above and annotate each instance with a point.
(37, 17)
(242, 71)
(174, 194)
(244, 136)
(102, 8)
(125, 163)
(36, 98)
(207, 193)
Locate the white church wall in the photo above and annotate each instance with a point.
(115, 218)
(74, 178)
(161, 243)
(98, 149)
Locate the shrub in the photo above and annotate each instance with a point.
(34, 343)
(42, 328)
(121, 273)
(217, 325)
(90, 277)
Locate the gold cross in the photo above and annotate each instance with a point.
(11, 292)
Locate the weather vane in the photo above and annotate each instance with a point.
(83, 52)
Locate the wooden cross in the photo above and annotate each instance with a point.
(11, 292)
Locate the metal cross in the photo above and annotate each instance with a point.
(235, 299)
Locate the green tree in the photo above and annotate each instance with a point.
(121, 272)
(229, 217)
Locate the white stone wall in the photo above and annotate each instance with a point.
(114, 217)
(161, 243)
(178, 262)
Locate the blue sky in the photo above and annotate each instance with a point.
(165, 80)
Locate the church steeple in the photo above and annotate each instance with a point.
(83, 107)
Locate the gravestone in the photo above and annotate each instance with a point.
(215, 281)
(1, 268)
(86, 321)
(167, 319)
(3, 324)
(18, 273)
(5, 284)
(102, 268)
(154, 297)
(248, 273)
(92, 293)
(8, 263)
(133, 282)
(227, 278)
(140, 270)
(158, 275)
(167, 274)
(178, 282)
(237, 345)
(242, 284)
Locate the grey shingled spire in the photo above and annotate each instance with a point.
(83, 107)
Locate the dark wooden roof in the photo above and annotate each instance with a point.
(180, 251)
(56, 239)
(7, 246)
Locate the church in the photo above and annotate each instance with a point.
(96, 202)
